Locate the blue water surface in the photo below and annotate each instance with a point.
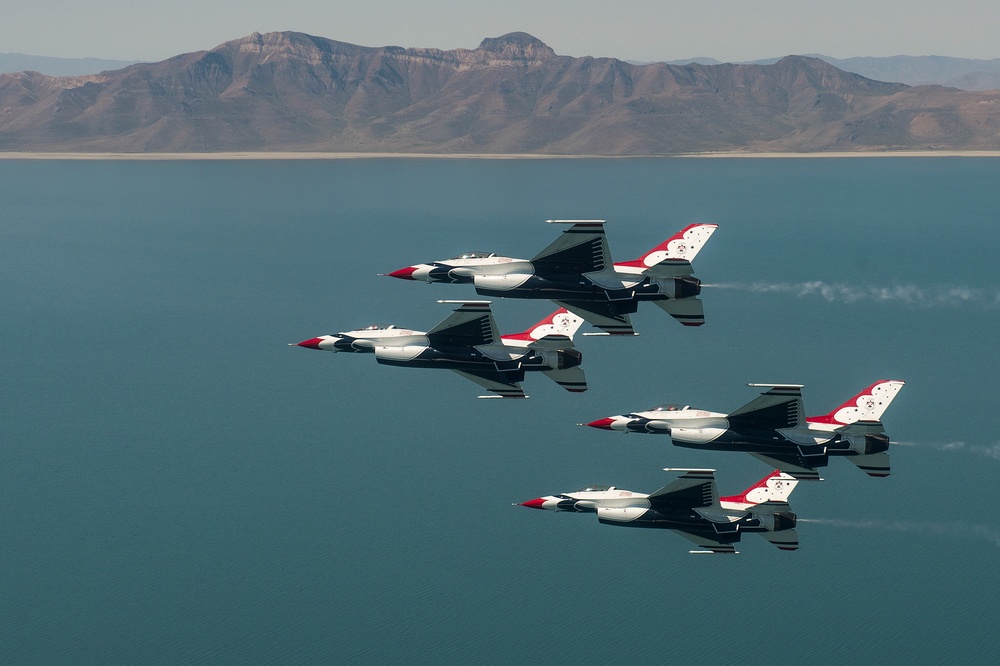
(178, 485)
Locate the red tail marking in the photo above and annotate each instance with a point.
(742, 497)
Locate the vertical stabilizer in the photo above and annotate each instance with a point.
(775, 487)
(868, 405)
(560, 325)
(681, 249)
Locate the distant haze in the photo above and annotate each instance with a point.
(962, 73)
(19, 62)
(647, 30)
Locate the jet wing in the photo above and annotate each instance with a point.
(790, 463)
(779, 407)
(601, 315)
(583, 248)
(695, 489)
(470, 325)
(495, 382)
(709, 544)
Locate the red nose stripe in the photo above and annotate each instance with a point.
(534, 504)
(311, 343)
(603, 424)
(404, 273)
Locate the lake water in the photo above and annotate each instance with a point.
(180, 486)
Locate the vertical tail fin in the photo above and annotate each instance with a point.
(775, 487)
(681, 249)
(868, 405)
(558, 326)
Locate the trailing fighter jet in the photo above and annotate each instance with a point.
(691, 506)
(468, 343)
(576, 272)
(772, 427)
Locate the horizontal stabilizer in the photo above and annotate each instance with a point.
(688, 311)
(873, 464)
(494, 382)
(791, 464)
(784, 540)
(710, 545)
(571, 379)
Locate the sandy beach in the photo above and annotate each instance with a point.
(284, 155)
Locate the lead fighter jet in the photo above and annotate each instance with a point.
(773, 428)
(691, 506)
(468, 343)
(576, 272)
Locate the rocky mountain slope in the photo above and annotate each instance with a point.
(513, 94)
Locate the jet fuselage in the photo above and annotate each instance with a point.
(498, 357)
(625, 508)
(626, 290)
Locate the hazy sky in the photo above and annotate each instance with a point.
(637, 30)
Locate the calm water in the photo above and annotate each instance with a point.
(180, 486)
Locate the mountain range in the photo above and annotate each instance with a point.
(962, 73)
(512, 94)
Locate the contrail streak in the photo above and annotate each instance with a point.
(988, 450)
(957, 530)
(947, 296)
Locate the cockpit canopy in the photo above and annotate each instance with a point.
(669, 408)
(596, 487)
(475, 255)
(378, 327)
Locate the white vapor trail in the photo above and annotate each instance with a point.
(958, 530)
(949, 296)
(988, 450)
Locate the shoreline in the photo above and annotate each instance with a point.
(291, 155)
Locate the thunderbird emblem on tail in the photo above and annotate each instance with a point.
(773, 427)
(691, 506)
(576, 272)
(468, 343)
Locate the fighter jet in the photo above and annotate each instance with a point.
(468, 343)
(576, 272)
(772, 428)
(691, 506)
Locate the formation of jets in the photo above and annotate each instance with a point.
(576, 272)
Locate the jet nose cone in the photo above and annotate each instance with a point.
(403, 273)
(536, 503)
(603, 424)
(311, 343)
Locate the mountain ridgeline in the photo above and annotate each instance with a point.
(511, 95)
